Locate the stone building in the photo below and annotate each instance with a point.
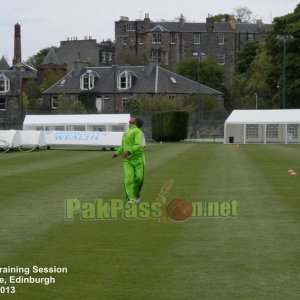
(107, 89)
(50, 62)
(170, 42)
(12, 80)
(88, 49)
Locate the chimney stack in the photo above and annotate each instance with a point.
(209, 24)
(17, 46)
(181, 21)
(232, 22)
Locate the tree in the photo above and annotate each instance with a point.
(38, 58)
(207, 72)
(144, 104)
(285, 36)
(246, 57)
(257, 83)
(67, 107)
(221, 17)
(243, 14)
(189, 68)
(250, 78)
(31, 96)
(212, 74)
(50, 77)
(133, 106)
(260, 68)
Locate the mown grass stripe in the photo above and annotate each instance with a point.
(252, 256)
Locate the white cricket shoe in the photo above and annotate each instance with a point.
(134, 201)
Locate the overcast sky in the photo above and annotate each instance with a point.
(46, 23)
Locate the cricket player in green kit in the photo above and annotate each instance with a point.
(132, 151)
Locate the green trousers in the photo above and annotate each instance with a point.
(134, 176)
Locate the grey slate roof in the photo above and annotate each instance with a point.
(26, 71)
(51, 58)
(3, 64)
(148, 80)
(218, 27)
(252, 28)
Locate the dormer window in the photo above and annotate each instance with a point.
(87, 80)
(4, 84)
(125, 80)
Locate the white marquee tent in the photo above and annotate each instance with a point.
(84, 122)
(263, 126)
(104, 130)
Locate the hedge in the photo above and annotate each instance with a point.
(170, 126)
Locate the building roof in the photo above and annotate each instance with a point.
(26, 71)
(3, 64)
(148, 79)
(264, 116)
(253, 28)
(51, 58)
(202, 27)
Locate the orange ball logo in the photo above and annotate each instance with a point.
(179, 209)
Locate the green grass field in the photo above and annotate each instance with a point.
(255, 255)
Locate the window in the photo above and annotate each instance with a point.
(197, 38)
(4, 84)
(250, 37)
(160, 56)
(109, 56)
(292, 131)
(124, 101)
(99, 128)
(103, 57)
(272, 131)
(221, 58)
(252, 131)
(59, 128)
(54, 102)
(173, 80)
(221, 38)
(79, 128)
(87, 80)
(173, 38)
(100, 103)
(156, 38)
(118, 128)
(130, 27)
(62, 82)
(124, 40)
(3, 104)
(86, 83)
(125, 79)
(141, 40)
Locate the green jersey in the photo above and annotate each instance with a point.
(132, 142)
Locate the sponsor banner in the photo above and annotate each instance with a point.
(83, 138)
